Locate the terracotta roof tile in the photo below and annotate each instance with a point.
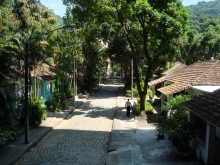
(173, 88)
(176, 67)
(157, 81)
(211, 76)
(43, 71)
(191, 73)
(206, 106)
(200, 73)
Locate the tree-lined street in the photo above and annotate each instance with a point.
(132, 48)
(82, 138)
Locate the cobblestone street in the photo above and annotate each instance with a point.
(81, 138)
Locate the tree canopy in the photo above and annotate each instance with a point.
(152, 29)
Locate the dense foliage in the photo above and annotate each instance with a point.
(180, 131)
(149, 33)
(202, 41)
(27, 21)
(144, 27)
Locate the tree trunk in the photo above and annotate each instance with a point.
(142, 102)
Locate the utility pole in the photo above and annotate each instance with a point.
(74, 81)
(0, 22)
(27, 54)
(132, 78)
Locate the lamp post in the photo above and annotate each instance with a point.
(27, 49)
(74, 82)
(132, 78)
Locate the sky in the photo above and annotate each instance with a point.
(59, 9)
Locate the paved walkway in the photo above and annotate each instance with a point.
(134, 142)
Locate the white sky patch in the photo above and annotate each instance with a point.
(56, 5)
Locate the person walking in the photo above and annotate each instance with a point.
(128, 107)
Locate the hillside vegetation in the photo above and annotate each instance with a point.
(201, 13)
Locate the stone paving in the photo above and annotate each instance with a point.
(82, 138)
(134, 142)
(96, 133)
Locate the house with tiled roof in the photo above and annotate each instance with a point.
(42, 81)
(158, 83)
(204, 110)
(193, 80)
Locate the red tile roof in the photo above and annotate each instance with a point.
(211, 76)
(200, 73)
(174, 88)
(192, 73)
(43, 71)
(157, 81)
(206, 106)
(175, 67)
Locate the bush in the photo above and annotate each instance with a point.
(135, 92)
(128, 93)
(149, 92)
(6, 136)
(136, 108)
(59, 101)
(148, 108)
(179, 129)
(70, 92)
(9, 118)
(37, 111)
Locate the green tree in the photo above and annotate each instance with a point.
(180, 131)
(202, 46)
(27, 13)
(147, 25)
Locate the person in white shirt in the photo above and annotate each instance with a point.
(128, 107)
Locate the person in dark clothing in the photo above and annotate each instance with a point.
(128, 107)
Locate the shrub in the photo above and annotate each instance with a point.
(59, 101)
(6, 136)
(135, 92)
(136, 108)
(70, 92)
(9, 118)
(37, 111)
(175, 102)
(128, 93)
(148, 108)
(179, 129)
(149, 92)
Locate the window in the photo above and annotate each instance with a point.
(48, 87)
(200, 128)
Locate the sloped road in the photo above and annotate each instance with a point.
(83, 137)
